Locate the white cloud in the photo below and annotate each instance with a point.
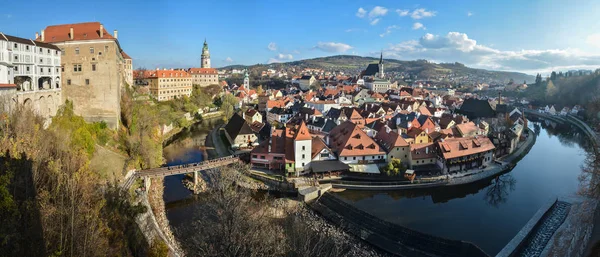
(374, 15)
(422, 13)
(285, 56)
(458, 47)
(388, 30)
(402, 12)
(361, 13)
(228, 59)
(333, 47)
(272, 46)
(418, 25)
(469, 14)
(593, 40)
(377, 12)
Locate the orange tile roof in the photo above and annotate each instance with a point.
(302, 132)
(459, 147)
(275, 103)
(81, 31)
(203, 71)
(349, 140)
(7, 85)
(317, 146)
(467, 128)
(390, 139)
(168, 74)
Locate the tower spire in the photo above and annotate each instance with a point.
(381, 57)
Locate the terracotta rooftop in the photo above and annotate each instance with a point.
(349, 140)
(7, 85)
(422, 151)
(81, 31)
(202, 71)
(458, 147)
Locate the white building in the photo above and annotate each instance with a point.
(35, 69)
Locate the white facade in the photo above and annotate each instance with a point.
(363, 158)
(36, 70)
(302, 153)
(379, 86)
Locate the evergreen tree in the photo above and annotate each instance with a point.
(553, 75)
(538, 79)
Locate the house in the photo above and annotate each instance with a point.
(281, 115)
(306, 81)
(394, 145)
(252, 115)
(565, 110)
(468, 129)
(422, 156)
(320, 151)
(289, 149)
(459, 154)
(417, 136)
(354, 146)
(239, 133)
(550, 110)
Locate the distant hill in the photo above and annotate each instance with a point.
(421, 68)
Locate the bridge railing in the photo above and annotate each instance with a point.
(227, 159)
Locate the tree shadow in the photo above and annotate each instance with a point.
(499, 190)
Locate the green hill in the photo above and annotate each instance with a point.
(423, 69)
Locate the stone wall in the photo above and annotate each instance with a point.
(96, 94)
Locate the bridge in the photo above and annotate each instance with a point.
(179, 169)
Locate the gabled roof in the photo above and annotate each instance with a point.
(237, 126)
(349, 140)
(475, 108)
(458, 147)
(371, 70)
(81, 31)
(422, 151)
(390, 139)
(317, 146)
(10, 38)
(467, 128)
(302, 132)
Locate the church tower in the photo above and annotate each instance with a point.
(205, 59)
(381, 75)
(246, 81)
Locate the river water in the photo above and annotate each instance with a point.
(488, 213)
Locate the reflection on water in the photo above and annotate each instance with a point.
(187, 146)
(488, 213)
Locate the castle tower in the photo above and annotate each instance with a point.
(381, 75)
(205, 59)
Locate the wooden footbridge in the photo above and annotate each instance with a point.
(180, 169)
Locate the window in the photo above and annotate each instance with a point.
(303, 148)
(254, 156)
(16, 57)
(27, 69)
(62, 51)
(16, 68)
(87, 81)
(76, 67)
(91, 50)
(303, 156)
(93, 67)
(48, 51)
(15, 45)
(262, 157)
(26, 47)
(76, 50)
(49, 70)
(62, 68)
(354, 158)
(41, 70)
(68, 82)
(324, 155)
(345, 158)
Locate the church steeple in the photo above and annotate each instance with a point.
(381, 75)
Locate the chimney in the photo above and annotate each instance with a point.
(43, 35)
(101, 31)
(37, 35)
(116, 34)
(71, 33)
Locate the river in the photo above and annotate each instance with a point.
(488, 213)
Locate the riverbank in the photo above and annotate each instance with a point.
(463, 178)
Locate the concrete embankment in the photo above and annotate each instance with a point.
(392, 238)
(533, 237)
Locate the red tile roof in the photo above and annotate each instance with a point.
(349, 140)
(81, 31)
(7, 85)
(459, 147)
(302, 132)
(422, 151)
(168, 74)
(317, 146)
(203, 71)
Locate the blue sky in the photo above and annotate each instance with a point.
(529, 36)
